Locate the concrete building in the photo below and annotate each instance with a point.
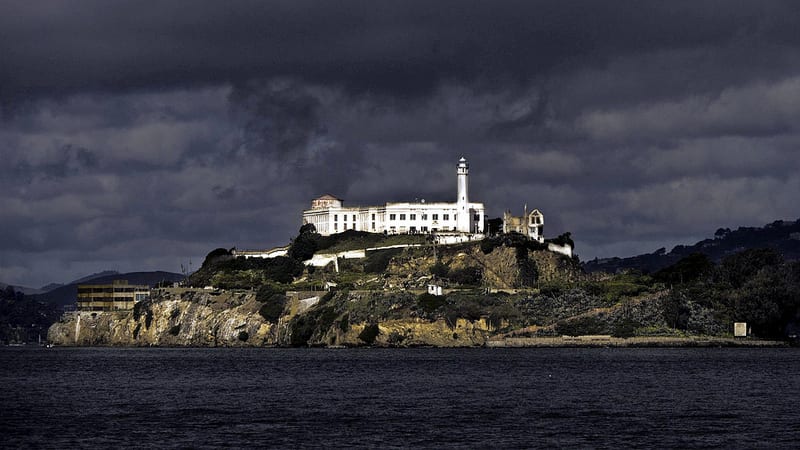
(529, 224)
(119, 295)
(330, 216)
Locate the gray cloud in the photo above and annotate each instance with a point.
(138, 138)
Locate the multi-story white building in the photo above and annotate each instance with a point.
(330, 216)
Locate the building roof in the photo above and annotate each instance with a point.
(328, 197)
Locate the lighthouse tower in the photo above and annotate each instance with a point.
(464, 214)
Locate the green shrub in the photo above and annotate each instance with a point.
(273, 307)
(564, 239)
(503, 312)
(216, 255)
(439, 270)
(581, 326)
(489, 244)
(625, 328)
(395, 338)
(470, 276)
(377, 261)
(319, 319)
(369, 333)
(302, 330)
(430, 303)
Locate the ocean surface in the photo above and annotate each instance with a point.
(399, 398)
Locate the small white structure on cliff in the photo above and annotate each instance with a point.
(330, 216)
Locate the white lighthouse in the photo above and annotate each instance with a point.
(464, 214)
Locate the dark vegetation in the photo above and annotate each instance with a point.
(224, 271)
(756, 286)
(781, 236)
(515, 240)
(23, 318)
(274, 302)
(563, 239)
(430, 303)
(369, 334)
(377, 261)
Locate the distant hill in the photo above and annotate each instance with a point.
(53, 286)
(783, 236)
(49, 287)
(94, 276)
(67, 294)
(23, 289)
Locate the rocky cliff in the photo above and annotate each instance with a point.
(186, 317)
(174, 317)
(491, 292)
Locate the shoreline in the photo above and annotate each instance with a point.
(639, 341)
(537, 342)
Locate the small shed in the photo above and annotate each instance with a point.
(740, 329)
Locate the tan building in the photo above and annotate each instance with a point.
(119, 295)
(529, 224)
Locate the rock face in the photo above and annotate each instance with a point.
(501, 268)
(197, 319)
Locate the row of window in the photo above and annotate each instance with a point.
(424, 216)
(344, 217)
(393, 216)
(96, 290)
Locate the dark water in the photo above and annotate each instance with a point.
(470, 398)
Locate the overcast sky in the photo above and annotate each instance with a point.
(141, 135)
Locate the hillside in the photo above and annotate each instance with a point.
(502, 291)
(782, 236)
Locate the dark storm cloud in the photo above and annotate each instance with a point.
(54, 47)
(141, 135)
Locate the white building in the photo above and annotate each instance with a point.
(329, 216)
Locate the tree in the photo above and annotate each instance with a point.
(686, 270)
(305, 244)
(735, 270)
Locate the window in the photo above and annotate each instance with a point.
(413, 217)
(435, 217)
(373, 217)
(335, 217)
(354, 217)
(476, 217)
(424, 217)
(402, 217)
(373, 225)
(336, 227)
(446, 217)
(392, 216)
(424, 228)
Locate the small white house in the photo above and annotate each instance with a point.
(435, 289)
